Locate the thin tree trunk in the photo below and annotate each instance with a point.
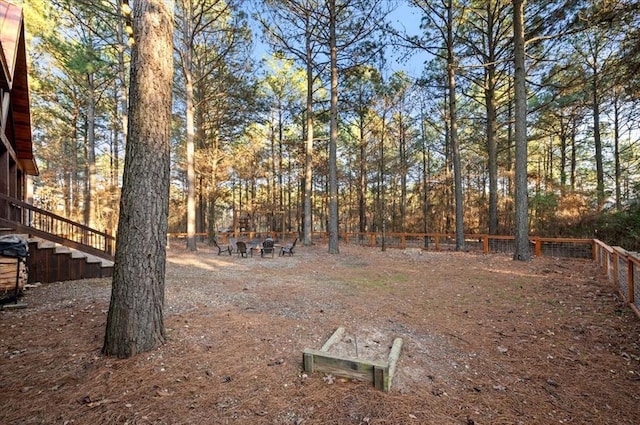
(563, 154)
(308, 158)
(455, 150)
(404, 169)
(616, 148)
(89, 198)
(362, 178)
(597, 140)
(187, 69)
(522, 248)
(492, 149)
(333, 135)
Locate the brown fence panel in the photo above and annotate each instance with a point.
(622, 269)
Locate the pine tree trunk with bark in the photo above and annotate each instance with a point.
(135, 318)
(522, 248)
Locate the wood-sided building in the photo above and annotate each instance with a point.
(17, 161)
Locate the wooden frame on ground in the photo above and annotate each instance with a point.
(378, 372)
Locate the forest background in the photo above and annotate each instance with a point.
(240, 123)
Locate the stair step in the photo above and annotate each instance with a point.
(51, 262)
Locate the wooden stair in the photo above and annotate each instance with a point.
(51, 262)
(59, 248)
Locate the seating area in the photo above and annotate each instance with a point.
(245, 249)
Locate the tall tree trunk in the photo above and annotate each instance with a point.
(124, 116)
(135, 319)
(522, 248)
(90, 193)
(492, 147)
(308, 148)
(491, 107)
(455, 149)
(597, 140)
(563, 153)
(426, 166)
(333, 134)
(362, 178)
(404, 170)
(187, 69)
(616, 147)
(574, 155)
(382, 183)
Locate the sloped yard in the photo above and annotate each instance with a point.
(486, 341)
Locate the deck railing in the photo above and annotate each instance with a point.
(26, 218)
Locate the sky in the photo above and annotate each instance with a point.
(403, 17)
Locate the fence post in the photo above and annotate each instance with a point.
(630, 279)
(436, 241)
(538, 249)
(403, 241)
(485, 244)
(614, 260)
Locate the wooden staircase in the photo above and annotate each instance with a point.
(51, 262)
(59, 249)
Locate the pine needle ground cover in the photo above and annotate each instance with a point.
(486, 340)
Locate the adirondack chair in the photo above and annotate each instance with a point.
(288, 248)
(221, 248)
(268, 247)
(241, 249)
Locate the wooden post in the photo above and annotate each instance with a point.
(307, 360)
(436, 241)
(485, 244)
(614, 260)
(403, 241)
(538, 249)
(393, 360)
(379, 377)
(630, 278)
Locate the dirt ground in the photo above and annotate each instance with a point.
(486, 341)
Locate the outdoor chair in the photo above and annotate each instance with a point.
(241, 249)
(288, 248)
(267, 247)
(221, 248)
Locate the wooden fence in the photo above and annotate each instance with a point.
(623, 270)
(553, 247)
